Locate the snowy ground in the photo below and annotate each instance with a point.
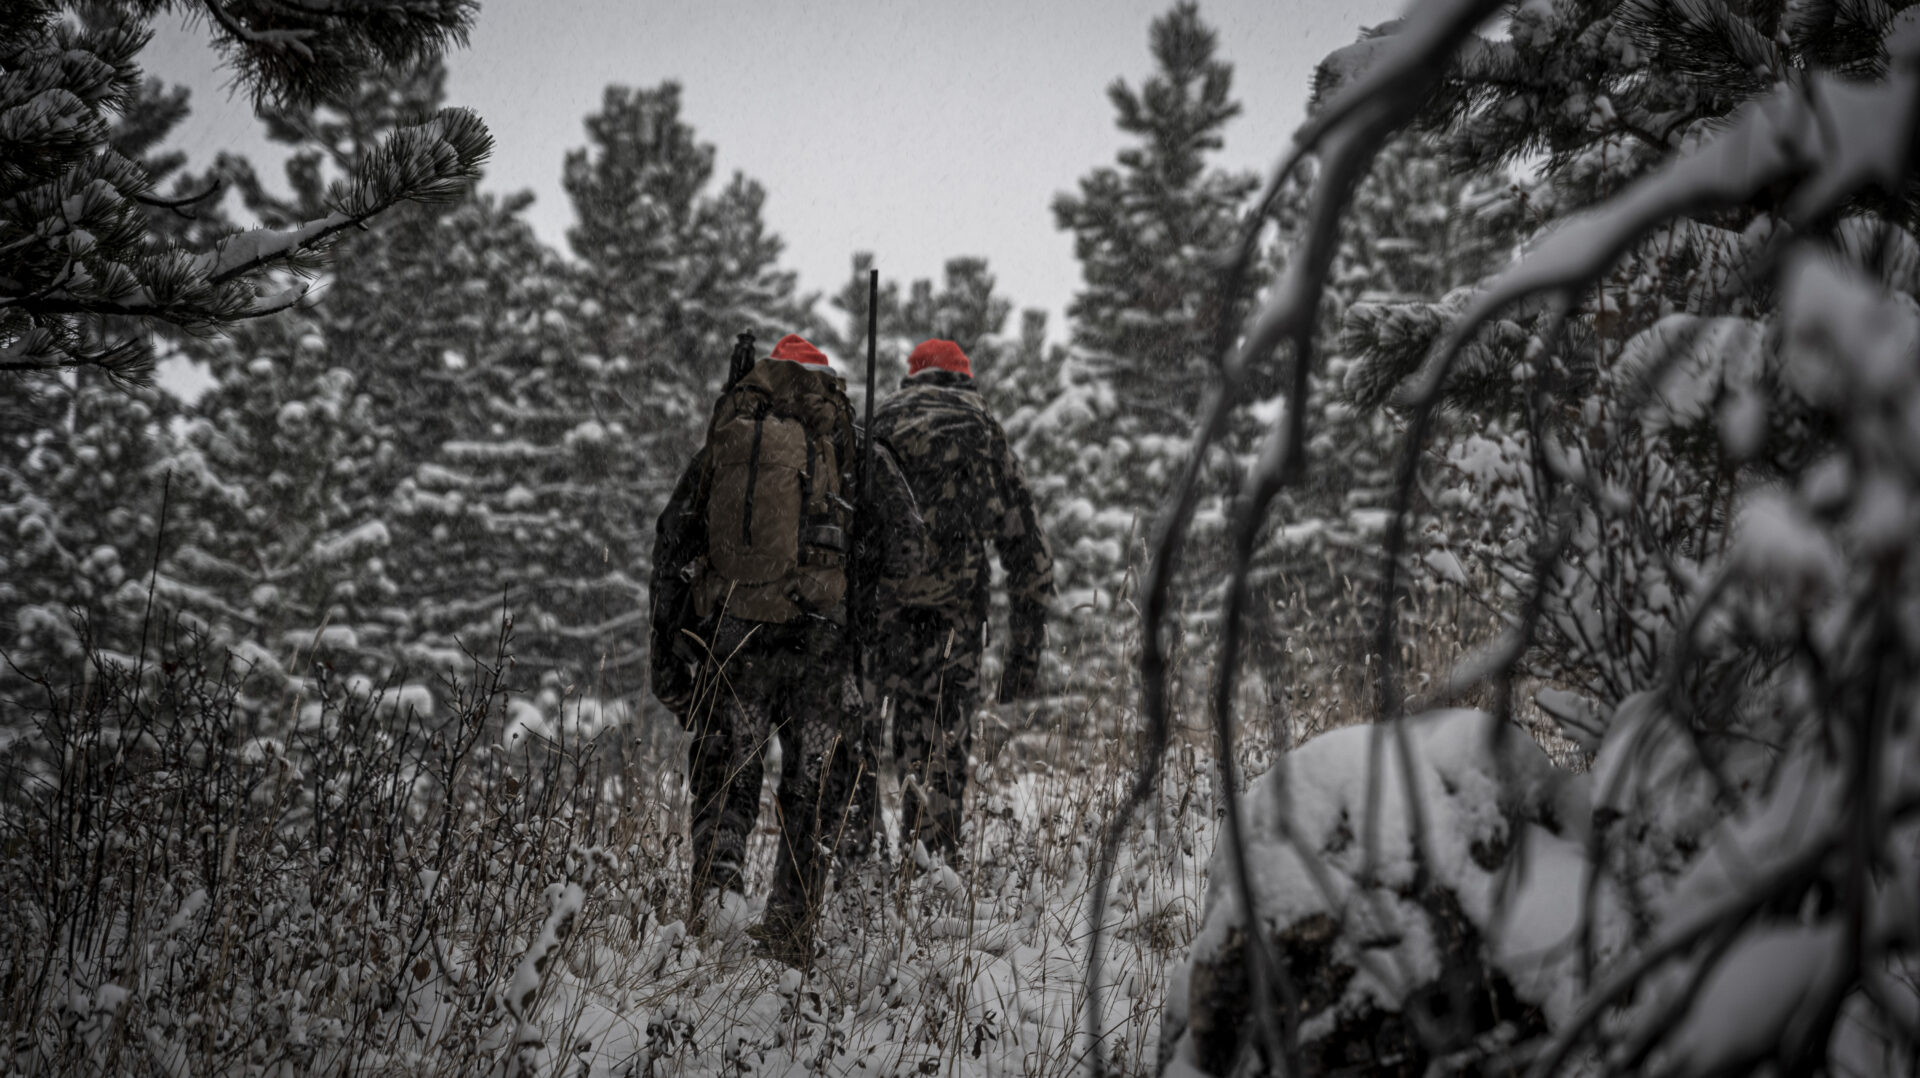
(940, 975)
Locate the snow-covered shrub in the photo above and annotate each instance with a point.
(1397, 899)
(1697, 473)
(496, 887)
(196, 887)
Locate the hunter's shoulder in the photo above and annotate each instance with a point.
(940, 382)
(924, 399)
(779, 376)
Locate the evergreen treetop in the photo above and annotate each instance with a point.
(1145, 231)
(77, 243)
(672, 269)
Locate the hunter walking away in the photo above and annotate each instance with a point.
(1140, 537)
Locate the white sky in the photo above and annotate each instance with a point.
(920, 131)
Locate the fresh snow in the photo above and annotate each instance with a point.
(1339, 827)
(985, 973)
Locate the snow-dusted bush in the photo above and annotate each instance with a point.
(1397, 899)
(197, 888)
(1697, 473)
(495, 887)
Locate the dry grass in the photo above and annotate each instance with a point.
(207, 885)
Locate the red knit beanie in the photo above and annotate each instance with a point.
(938, 355)
(795, 348)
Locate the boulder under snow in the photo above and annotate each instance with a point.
(1377, 895)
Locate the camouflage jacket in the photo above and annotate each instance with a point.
(971, 491)
(896, 551)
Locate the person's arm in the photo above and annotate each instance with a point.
(902, 551)
(679, 538)
(1022, 546)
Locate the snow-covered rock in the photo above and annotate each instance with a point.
(1379, 873)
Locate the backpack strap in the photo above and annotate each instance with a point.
(753, 480)
(806, 500)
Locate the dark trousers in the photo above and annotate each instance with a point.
(770, 681)
(930, 666)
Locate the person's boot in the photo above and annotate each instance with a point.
(783, 937)
(717, 912)
(700, 902)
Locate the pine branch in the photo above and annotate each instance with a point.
(303, 52)
(431, 162)
(238, 29)
(1705, 41)
(39, 352)
(179, 205)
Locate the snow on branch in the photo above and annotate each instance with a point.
(255, 249)
(1376, 98)
(1817, 147)
(429, 162)
(1826, 141)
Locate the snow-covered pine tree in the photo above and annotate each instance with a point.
(1147, 231)
(964, 309)
(291, 463)
(670, 268)
(397, 347)
(1146, 228)
(540, 503)
(1600, 93)
(1027, 376)
(279, 555)
(1415, 231)
(82, 474)
(844, 338)
(80, 499)
(76, 245)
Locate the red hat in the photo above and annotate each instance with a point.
(795, 348)
(938, 355)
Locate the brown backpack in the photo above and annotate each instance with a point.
(776, 509)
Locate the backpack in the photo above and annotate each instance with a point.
(777, 516)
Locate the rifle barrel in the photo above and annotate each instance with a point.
(873, 335)
(741, 361)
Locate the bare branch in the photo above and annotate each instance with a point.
(1386, 97)
(1786, 877)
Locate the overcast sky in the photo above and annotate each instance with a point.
(920, 131)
